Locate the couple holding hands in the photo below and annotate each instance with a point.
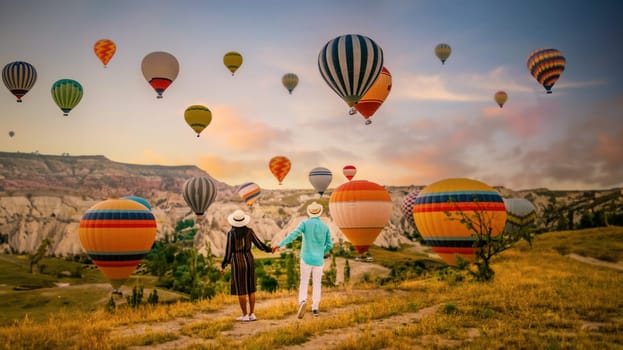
(316, 244)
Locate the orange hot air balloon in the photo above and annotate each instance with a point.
(447, 235)
(280, 167)
(104, 50)
(361, 209)
(374, 98)
(349, 171)
(500, 98)
(116, 234)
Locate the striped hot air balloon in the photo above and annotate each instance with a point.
(520, 213)
(350, 64)
(232, 60)
(199, 193)
(160, 70)
(104, 50)
(19, 77)
(349, 171)
(443, 51)
(361, 209)
(280, 167)
(249, 192)
(546, 66)
(198, 117)
(290, 81)
(407, 206)
(374, 98)
(320, 178)
(67, 93)
(116, 234)
(446, 234)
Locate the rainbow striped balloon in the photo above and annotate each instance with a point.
(446, 234)
(116, 234)
(361, 209)
(546, 66)
(249, 192)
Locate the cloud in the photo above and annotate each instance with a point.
(427, 87)
(579, 84)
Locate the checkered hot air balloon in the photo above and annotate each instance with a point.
(407, 206)
(280, 167)
(116, 234)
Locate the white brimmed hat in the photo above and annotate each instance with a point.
(314, 210)
(238, 218)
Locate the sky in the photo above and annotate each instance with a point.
(439, 121)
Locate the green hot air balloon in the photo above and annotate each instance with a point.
(67, 94)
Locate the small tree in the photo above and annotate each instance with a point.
(329, 276)
(292, 278)
(152, 299)
(487, 242)
(137, 296)
(346, 272)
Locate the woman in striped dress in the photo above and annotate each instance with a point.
(238, 253)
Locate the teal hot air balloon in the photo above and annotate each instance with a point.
(19, 77)
(350, 64)
(320, 178)
(199, 193)
(67, 94)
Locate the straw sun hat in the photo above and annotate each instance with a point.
(238, 218)
(314, 210)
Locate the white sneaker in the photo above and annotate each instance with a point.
(301, 311)
(244, 318)
(252, 317)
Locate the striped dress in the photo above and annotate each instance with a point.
(238, 254)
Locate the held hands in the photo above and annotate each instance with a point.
(275, 248)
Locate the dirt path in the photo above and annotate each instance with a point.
(597, 262)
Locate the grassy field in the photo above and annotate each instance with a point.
(540, 298)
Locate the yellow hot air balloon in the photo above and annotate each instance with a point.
(500, 98)
(361, 209)
(104, 50)
(116, 234)
(443, 51)
(447, 235)
(198, 117)
(374, 98)
(233, 61)
(290, 81)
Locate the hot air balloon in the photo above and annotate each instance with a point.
(160, 70)
(520, 213)
(290, 81)
(447, 235)
(500, 98)
(349, 171)
(360, 209)
(19, 77)
(375, 97)
(11, 133)
(233, 61)
(116, 234)
(320, 178)
(139, 200)
(67, 94)
(249, 192)
(407, 206)
(198, 117)
(443, 51)
(350, 64)
(104, 50)
(280, 167)
(546, 66)
(199, 193)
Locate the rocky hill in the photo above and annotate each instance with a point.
(45, 196)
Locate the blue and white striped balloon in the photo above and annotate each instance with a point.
(350, 65)
(320, 178)
(19, 77)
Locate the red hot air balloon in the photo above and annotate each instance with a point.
(280, 167)
(349, 171)
(116, 234)
(447, 235)
(361, 209)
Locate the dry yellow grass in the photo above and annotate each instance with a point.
(539, 299)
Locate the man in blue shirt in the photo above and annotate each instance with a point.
(316, 244)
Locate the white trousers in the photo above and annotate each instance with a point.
(316, 275)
